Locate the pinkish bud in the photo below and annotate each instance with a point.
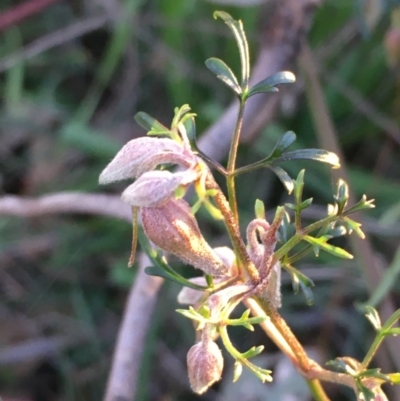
(144, 154)
(205, 364)
(156, 187)
(173, 228)
(229, 258)
(190, 296)
(273, 290)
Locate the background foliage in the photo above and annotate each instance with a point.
(71, 80)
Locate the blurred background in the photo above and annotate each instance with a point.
(72, 76)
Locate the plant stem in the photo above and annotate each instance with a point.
(286, 332)
(230, 179)
(233, 230)
(378, 339)
(275, 326)
(371, 352)
(317, 390)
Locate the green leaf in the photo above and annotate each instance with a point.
(269, 84)
(353, 226)
(283, 177)
(394, 377)
(300, 280)
(342, 195)
(252, 352)
(363, 204)
(259, 209)
(338, 365)
(160, 272)
(161, 268)
(190, 127)
(376, 373)
(392, 332)
(181, 114)
(150, 124)
(298, 187)
(284, 142)
(321, 243)
(286, 230)
(240, 36)
(319, 155)
(365, 391)
(237, 371)
(224, 73)
(304, 205)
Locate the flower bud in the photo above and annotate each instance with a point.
(156, 187)
(205, 364)
(141, 155)
(273, 290)
(173, 228)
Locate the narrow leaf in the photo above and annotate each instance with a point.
(300, 280)
(373, 316)
(394, 377)
(259, 209)
(240, 36)
(237, 371)
(334, 250)
(283, 177)
(159, 272)
(252, 352)
(368, 395)
(392, 332)
(319, 155)
(269, 84)
(224, 73)
(150, 124)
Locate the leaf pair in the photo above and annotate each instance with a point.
(226, 75)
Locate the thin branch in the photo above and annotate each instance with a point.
(142, 297)
(65, 202)
(287, 26)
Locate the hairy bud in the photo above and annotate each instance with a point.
(156, 187)
(173, 228)
(141, 155)
(205, 364)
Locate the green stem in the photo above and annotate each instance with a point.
(371, 352)
(378, 340)
(238, 356)
(317, 390)
(230, 179)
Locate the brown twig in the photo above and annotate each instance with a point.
(132, 337)
(142, 297)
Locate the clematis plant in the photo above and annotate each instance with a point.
(249, 272)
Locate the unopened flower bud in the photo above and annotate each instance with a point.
(205, 364)
(173, 228)
(156, 187)
(273, 290)
(141, 155)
